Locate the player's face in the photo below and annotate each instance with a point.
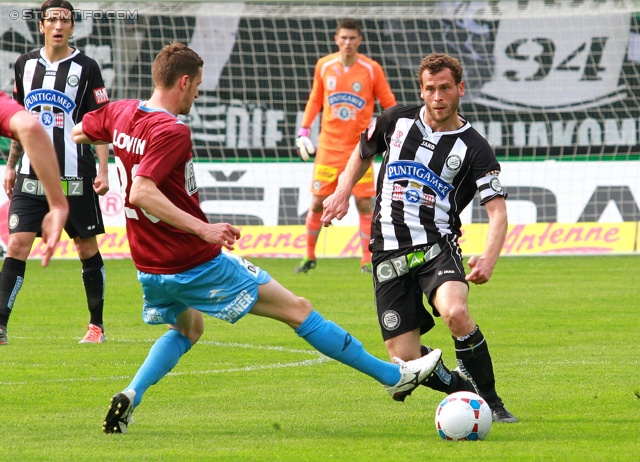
(191, 93)
(348, 42)
(441, 97)
(57, 27)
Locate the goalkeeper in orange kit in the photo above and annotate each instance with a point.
(345, 86)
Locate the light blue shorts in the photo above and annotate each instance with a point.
(225, 288)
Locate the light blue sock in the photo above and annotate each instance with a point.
(162, 357)
(333, 341)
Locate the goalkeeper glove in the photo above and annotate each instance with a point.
(304, 144)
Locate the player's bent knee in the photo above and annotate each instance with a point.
(19, 245)
(305, 305)
(457, 317)
(299, 311)
(192, 334)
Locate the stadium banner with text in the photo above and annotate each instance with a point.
(269, 202)
(344, 241)
(544, 79)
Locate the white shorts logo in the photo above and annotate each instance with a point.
(13, 221)
(390, 320)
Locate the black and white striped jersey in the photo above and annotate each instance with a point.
(426, 178)
(59, 94)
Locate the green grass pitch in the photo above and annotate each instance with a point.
(563, 333)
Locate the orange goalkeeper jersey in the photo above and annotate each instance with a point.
(347, 99)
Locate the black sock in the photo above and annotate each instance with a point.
(474, 361)
(11, 280)
(444, 380)
(93, 276)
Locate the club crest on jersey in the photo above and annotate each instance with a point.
(73, 80)
(357, 87)
(54, 98)
(454, 162)
(415, 171)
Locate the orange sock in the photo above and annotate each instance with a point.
(313, 230)
(365, 236)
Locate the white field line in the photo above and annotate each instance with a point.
(320, 358)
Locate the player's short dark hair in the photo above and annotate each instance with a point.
(56, 4)
(435, 62)
(174, 61)
(349, 24)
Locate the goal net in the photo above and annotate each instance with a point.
(553, 85)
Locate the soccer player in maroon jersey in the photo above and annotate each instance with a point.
(178, 254)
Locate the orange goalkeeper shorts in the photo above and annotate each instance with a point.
(327, 169)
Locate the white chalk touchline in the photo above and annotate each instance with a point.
(309, 362)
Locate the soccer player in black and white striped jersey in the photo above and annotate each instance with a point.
(58, 85)
(434, 162)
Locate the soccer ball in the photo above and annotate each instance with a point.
(463, 416)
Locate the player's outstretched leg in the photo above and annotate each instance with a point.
(400, 379)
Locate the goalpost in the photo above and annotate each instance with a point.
(553, 85)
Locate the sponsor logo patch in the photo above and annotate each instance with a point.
(325, 173)
(415, 171)
(101, 96)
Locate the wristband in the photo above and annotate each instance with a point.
(303, 132)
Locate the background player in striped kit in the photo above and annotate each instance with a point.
(18, 124)
(57, 84)
(433, 165)
(345, 86)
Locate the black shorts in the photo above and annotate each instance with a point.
(399, 299)
(29, 206)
